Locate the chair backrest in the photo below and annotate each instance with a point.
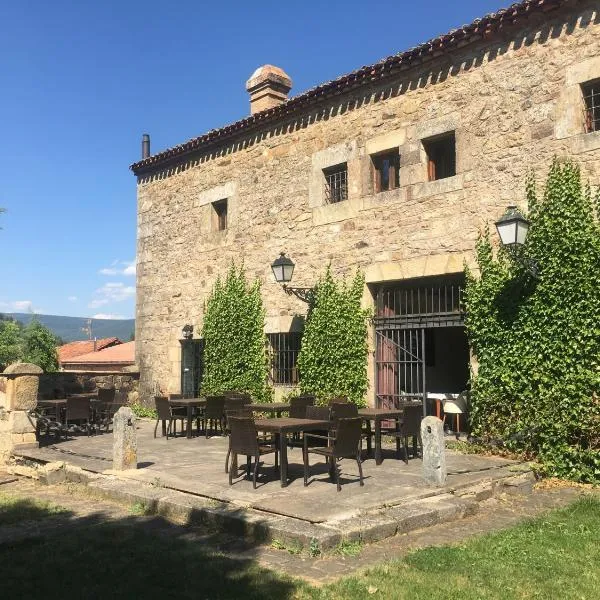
(339, 400)
(244, 437)
(234, 402)
(175, 396)
(78, 409)
(456, 405)
(240, 411)
(215, 407)
(163, 409)
(298, 406)
(106, 395)
(347, 438)
(412, 416)
(319, 413)
(343, 410)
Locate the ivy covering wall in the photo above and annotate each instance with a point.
(234, 340)
(333, 355)
(537, 341)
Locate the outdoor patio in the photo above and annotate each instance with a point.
(196, 466)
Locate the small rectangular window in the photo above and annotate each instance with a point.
(386, 167)
(591, 99)
(441, 156)
(336, 183)
(220, 215)
(285, 348)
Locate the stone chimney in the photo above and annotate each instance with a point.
(268, 87)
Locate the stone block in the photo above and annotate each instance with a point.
(124, 440)
(434, 451)
(22, 391)
(20, 422)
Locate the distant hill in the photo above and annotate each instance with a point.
(71, 328)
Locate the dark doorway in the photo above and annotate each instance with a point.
(192, 353)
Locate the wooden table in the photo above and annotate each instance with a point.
(270, 407)
(190, 404)
(378, 415)
(56, 404)
(283, 426)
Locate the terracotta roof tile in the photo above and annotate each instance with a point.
(467, 34)
(121, 353)
(72, 349)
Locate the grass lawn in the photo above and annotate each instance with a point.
(14, 509)
(557, 556)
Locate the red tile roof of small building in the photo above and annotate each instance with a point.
(121, 353)
(72, 349)
(479, 29)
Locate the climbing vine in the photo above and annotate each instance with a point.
(537, 341)
(333, 356)
(234, 340)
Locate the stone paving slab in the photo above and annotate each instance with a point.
(187, 478)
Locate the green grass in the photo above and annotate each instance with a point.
(16, 509)
(346, 548)
(557, 556)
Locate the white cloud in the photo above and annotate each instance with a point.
(112, 292)
(72, 298)
(119, 267)
(108, 316)
(19, 306)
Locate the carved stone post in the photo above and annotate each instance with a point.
(434, 451)
(18, 395)
(124, 440)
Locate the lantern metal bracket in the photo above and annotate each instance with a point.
(530, 265)
(306, 294)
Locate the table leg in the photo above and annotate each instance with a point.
(189, 422)
(438, 408)
(283, 462)
(378, 459)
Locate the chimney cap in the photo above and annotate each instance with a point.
(269, 73)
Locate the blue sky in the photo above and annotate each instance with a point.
(81, 82)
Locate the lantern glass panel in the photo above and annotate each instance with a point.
(507, 231)
(522, 228)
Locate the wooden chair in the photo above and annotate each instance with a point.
(345, 444)
(456, 406)
(165, 413)
(107, 407)
(79, 415)
(244, 440)
(410, 426)
(214, 413)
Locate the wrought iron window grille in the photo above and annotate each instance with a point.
(285, 348)
(591, 99)
(336, 183)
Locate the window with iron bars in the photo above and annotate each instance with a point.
(336, 183)
(285, 348)
(591, 99)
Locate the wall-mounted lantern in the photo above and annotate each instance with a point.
(512, 228)
(283, 269)
(187, 333)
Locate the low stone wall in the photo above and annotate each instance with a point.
(58, 385)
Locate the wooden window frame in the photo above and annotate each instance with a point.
(441, 156)
(590, 91)
(393, 180)
(219, 211)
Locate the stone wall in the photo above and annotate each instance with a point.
(514, 103)
(58, 385)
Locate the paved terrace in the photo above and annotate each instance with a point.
(196, 466)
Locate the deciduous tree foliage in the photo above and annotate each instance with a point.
(537, 342)
(333, 355)
(235, 356)
(35, 344)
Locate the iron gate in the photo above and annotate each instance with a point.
(405, 315)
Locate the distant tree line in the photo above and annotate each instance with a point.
(33, 343)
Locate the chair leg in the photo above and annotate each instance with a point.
(337, 476)
(248, 466)
(256, 463)
(227, 460)
(306, 466)
(406, 449)
(233, 460)
(360, 472)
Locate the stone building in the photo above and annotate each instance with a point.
(393, 169)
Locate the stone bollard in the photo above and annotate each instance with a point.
(18, 395)
(124, 440)
(434, 451)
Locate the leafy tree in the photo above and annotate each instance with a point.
(39, 346)
(11, 342)
(333, 356)
(235, 356)
(537, 342)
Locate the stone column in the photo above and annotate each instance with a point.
(18, 395)
(434, 451)
(124, 440)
